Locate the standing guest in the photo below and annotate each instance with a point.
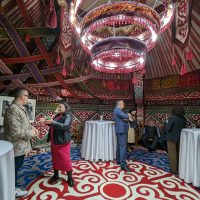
(121, 130)
(176, 122)
(19, 131)
(132, 128)
(60, 137)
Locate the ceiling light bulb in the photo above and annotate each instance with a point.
(112, 65)
(153, 34)
(78, 30)
(95, 62)
(128, 64)
(140, 37)
(141, 60)
(154, 37)
(72, 12)
(100, 62)
(166, 20)
(116, 54)
(83, 39)
(72, 18)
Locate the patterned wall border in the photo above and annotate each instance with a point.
(159, 114)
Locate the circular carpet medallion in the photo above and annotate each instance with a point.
(106, 181)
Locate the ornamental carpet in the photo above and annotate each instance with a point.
(150, 179)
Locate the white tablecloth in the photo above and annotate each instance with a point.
(189, 158)
(99, 141)
(7, 171)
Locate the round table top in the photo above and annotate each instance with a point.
(100, 122)
(194, 130)
(5, 147)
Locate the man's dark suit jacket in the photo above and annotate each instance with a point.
(174, 126)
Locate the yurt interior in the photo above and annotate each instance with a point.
(100, 99)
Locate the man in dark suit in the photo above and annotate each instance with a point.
(121, 130)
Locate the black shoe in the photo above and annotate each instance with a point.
(126, 168)
(174, 172)
(70, 179)
(53, 179)
(151, 150)
(70, 182)
(118, 163)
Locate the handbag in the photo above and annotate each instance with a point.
(131, 135)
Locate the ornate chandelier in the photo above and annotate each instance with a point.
(118, 35)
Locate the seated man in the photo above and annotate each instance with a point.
(150, 137)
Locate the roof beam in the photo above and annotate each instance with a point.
(55, 83)
(31, 31)
(17, 82)
(28, 74)
(25, 59)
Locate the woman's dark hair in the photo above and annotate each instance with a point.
(178, 110)
(131, 111)
(67, 107)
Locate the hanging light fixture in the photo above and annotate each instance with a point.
(118, 55)
(131, 28)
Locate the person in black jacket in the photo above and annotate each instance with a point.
(176, 122)
(60, 137)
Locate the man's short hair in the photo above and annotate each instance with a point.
(117, 102)
(18, 92)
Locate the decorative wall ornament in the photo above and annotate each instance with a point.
(186, 81)
(65, 34)
(172, 98)
(64, 44)
(138, 88)
(139, 96)
(181, 30)
(50, 14)
(182, 22)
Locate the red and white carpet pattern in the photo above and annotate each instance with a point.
(100, 181)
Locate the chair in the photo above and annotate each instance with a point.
(78, 132)
(138, 133)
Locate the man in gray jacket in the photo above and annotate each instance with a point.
(19, 131)
(121, 130)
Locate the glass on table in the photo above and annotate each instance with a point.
(193, 126)
(101, 117)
